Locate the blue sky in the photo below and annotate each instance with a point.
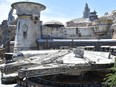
(63, 10)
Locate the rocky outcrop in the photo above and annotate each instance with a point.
(111, 16)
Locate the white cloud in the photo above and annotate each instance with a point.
(5, 6)
(53, 13)
(11, 1)
(46, 18)
(4, 9)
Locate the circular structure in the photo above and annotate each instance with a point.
(42, 6)
(53, 23)
(28, 8)
(28, 23)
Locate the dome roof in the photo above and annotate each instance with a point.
(53, 22)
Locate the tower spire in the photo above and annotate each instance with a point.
(86, 11)
(86, 5)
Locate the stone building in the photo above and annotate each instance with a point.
(93, 16)
(53, 30)
(56, 30)
(28, 25)
(32, 32)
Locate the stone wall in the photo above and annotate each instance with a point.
(53, 32)
(67, 32)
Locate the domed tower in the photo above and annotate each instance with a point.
(28, 25)
(53, 30)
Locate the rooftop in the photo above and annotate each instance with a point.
(53, 22)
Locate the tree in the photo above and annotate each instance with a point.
(110, 79)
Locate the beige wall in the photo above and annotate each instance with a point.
(68, 32)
